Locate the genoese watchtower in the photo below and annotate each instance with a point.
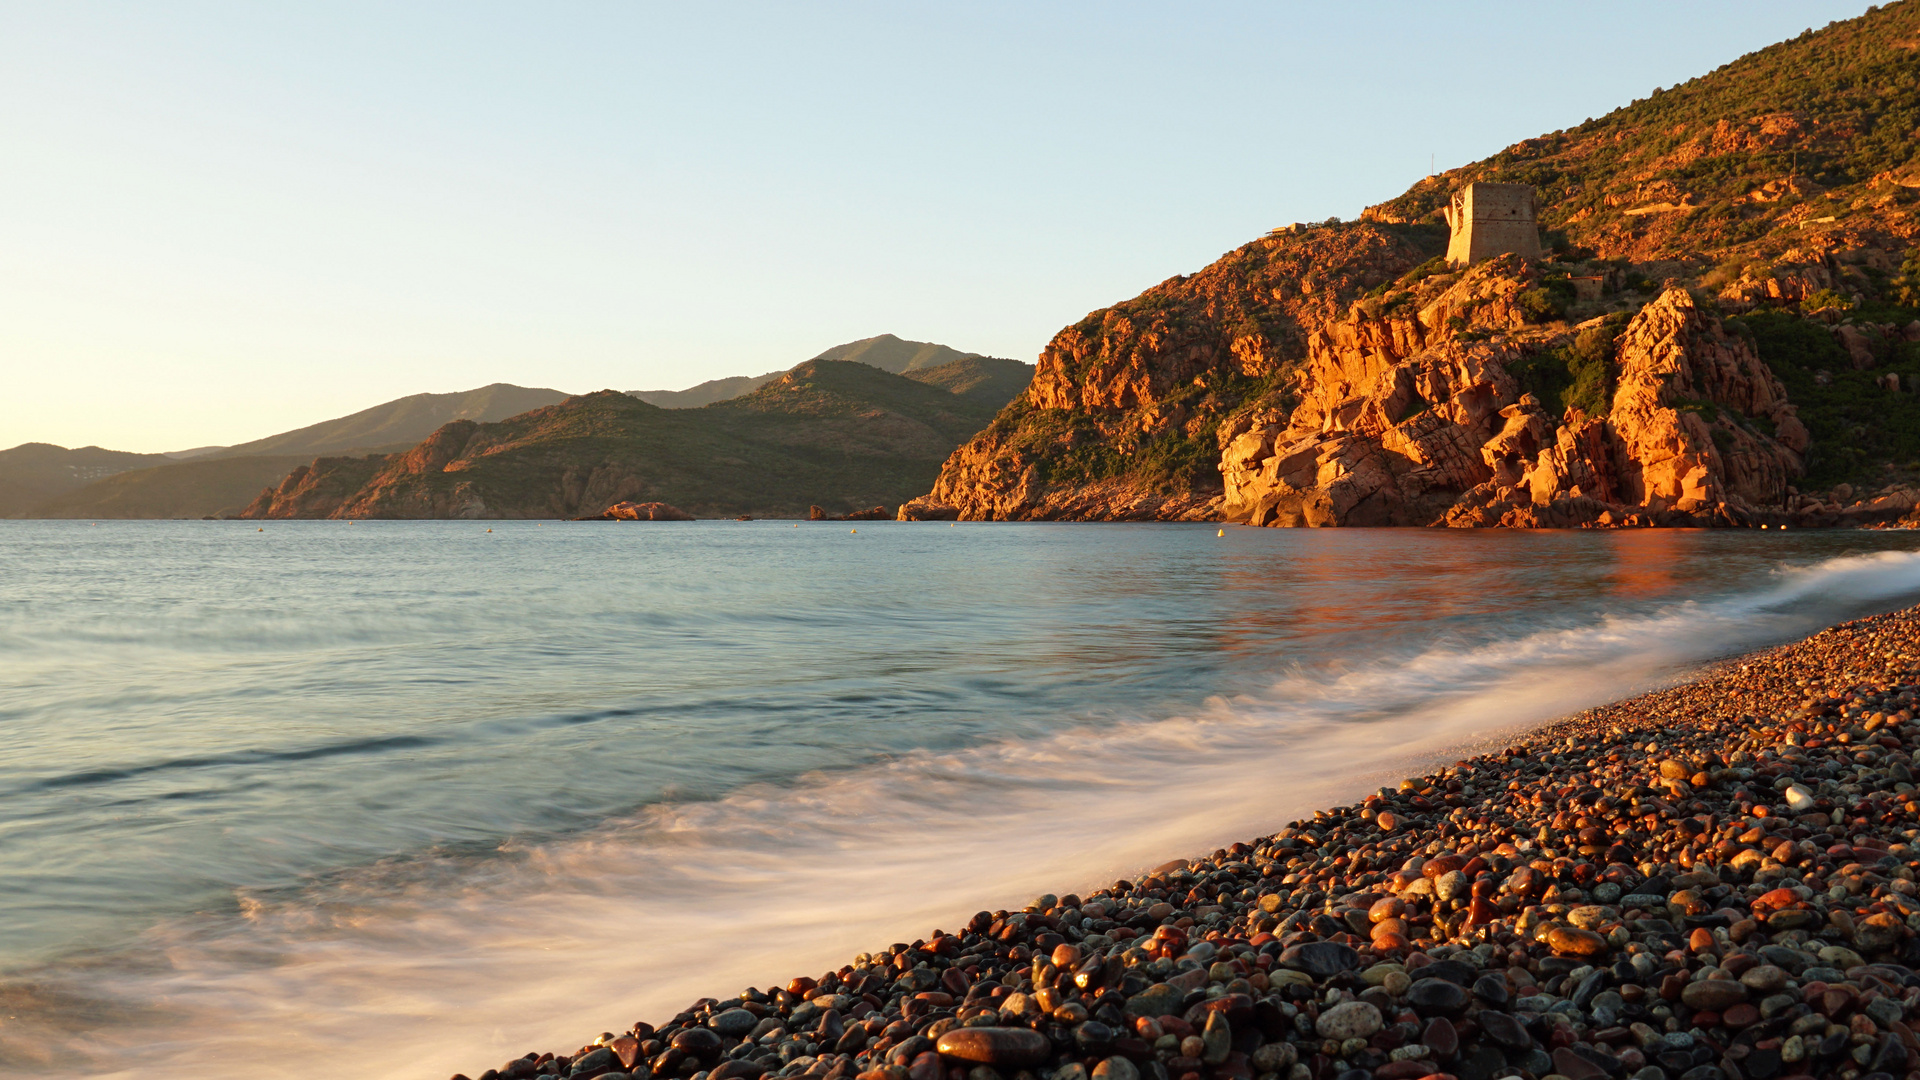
(1489, 220)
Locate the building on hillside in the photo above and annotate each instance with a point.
(1489, 220)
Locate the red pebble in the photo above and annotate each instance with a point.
(1441, 1038)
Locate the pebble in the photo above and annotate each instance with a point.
(1713, 994)
(1350, 1020)
(1431, 997)
(1573, 941)
(733, 1023)
(1006, 1046)
(1709, 882)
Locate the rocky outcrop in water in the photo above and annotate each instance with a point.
(649, 511)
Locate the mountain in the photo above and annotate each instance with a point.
(32, 473)
(399, 423)
(221, 480)
(886, 352)
(707, 392)
(838, 434)
(1730, 268)
(889, 353)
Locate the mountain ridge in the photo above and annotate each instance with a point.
(840, 434)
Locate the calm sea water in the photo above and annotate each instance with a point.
(405, 798)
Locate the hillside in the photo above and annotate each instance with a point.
(1776, 193)
(32, 473)
(886, 352)
(706, 393)
(399, 423)
(838, 434)
(201, 487)
(986, 378)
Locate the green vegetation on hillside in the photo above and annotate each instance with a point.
(1743, 158)
(987, 378)
(1854, 421)
(1073, 447)
(1577, 375)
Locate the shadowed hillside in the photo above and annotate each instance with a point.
(32, 473)
(837, 434)
(886, 352)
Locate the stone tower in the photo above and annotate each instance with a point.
(1489, 220)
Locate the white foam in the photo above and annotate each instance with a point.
(461, 962)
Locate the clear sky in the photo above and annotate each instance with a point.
(223, 220)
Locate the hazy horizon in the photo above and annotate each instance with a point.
(230, 220)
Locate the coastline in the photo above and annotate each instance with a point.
(1713, 880)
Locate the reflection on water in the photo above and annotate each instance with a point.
(412, 797)
(1645, 562)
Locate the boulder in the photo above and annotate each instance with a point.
(638, 511)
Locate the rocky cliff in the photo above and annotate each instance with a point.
(1709, 250)
(1121, 419)
(1421, 419)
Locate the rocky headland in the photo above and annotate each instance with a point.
(1721, 327)
(1710, 882)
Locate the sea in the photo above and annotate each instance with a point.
(401, 799)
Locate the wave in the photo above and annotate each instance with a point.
(457, 960)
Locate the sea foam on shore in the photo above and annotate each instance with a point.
(1715, 880)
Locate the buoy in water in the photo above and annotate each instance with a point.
(853, 530)
(489, 530)
(260, 530)
(1222, 532)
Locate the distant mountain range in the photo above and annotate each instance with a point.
(41, 480)
(839, 434)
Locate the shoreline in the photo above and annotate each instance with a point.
(1714, 881)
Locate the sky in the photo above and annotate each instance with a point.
(223, 220)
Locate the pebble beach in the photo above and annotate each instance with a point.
(1710, 882)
